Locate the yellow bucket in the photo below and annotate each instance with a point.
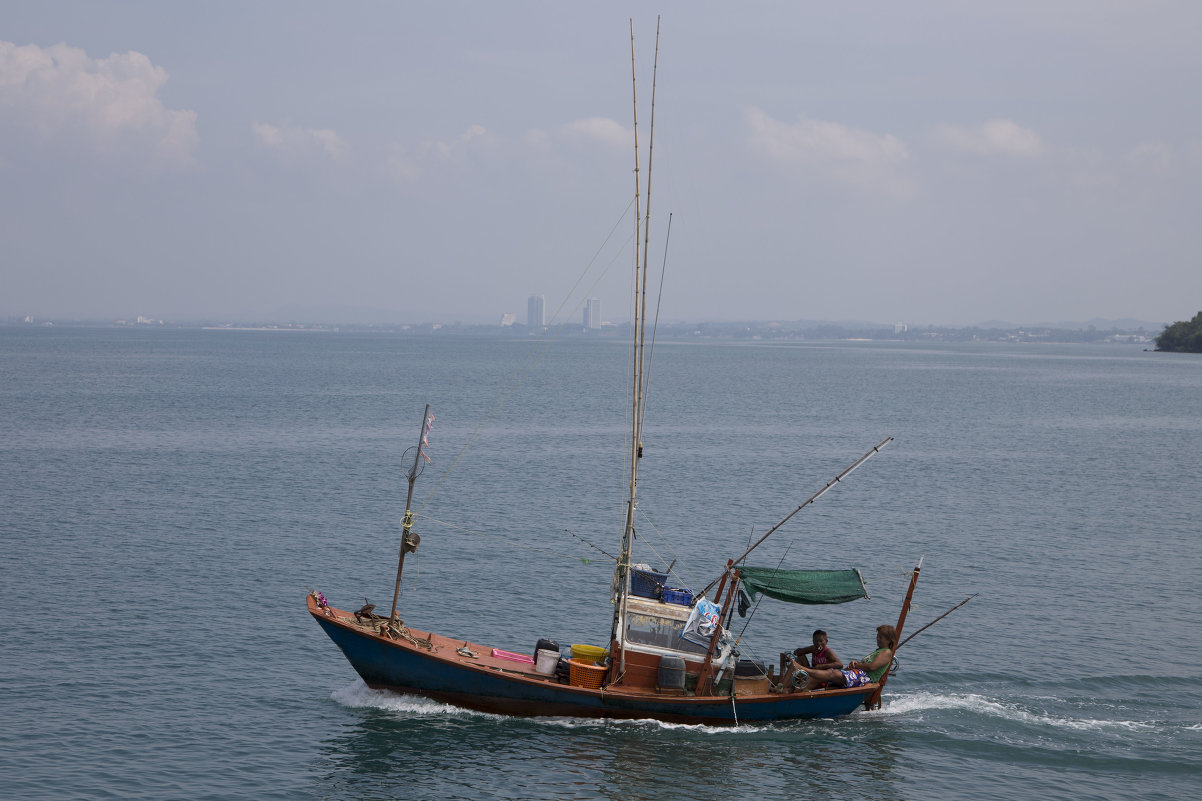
(588, 653)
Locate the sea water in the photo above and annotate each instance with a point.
(169, 498)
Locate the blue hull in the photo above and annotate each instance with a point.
(401, 666)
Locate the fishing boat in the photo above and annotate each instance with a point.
(669, 654)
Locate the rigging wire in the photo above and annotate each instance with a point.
(757, 603)
(667, 544)
(512, 542)
(655, 322)
(519, 375)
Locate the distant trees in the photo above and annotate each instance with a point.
(1182, 337)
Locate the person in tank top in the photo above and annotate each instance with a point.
(818, 655)
(862, 671)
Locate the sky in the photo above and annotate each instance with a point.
(939, 163)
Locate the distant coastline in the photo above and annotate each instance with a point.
(1183, 336)
(1132, 333)
(262, 328)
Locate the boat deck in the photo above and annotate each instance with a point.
(462, 651)
(482, 657)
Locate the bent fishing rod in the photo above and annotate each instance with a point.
(936, 620)
(875, 450)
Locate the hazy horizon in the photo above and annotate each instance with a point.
(935, 163)
(375, 318)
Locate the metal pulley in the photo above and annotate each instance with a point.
(412, 540)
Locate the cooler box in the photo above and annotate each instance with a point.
(675, 595)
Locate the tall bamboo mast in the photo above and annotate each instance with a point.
(647, 232)
(622, 570)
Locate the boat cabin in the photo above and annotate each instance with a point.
(653, 630)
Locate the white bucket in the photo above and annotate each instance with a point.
(545, 661)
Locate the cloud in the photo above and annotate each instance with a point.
(843, 154)
(407, 164)
(296, 142)
(480, 148)
(107, 106)
(599, 130)
(586, 132)
(1153, 157)
(536, 138)
(994, 138)
(445, 150)
(400, 166)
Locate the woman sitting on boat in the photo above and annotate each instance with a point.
(859, 671)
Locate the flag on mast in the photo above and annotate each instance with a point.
(426, 438)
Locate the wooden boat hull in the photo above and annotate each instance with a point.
(431, 665)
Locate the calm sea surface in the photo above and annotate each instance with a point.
(169, 498)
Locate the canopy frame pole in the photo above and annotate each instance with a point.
(705, 679)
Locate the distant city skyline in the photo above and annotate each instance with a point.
(592, 314)
(536, 311)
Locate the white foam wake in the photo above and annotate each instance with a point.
(916, 703)
(359, 696)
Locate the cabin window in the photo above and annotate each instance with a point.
(659, 632)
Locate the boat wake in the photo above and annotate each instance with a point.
(649, 724)
(359, 696)
(915, 704)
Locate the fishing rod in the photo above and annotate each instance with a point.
(936, 620)
(589, 544)
(875, 450)
(659, 301)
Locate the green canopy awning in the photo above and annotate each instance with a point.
(805, 586)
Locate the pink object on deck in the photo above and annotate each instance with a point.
(512, 657)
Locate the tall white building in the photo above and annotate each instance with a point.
(592, 314)
(536, 311)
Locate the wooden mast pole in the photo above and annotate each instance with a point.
(622, 570)
(874, 700)
(647, 230)
(409, 540)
